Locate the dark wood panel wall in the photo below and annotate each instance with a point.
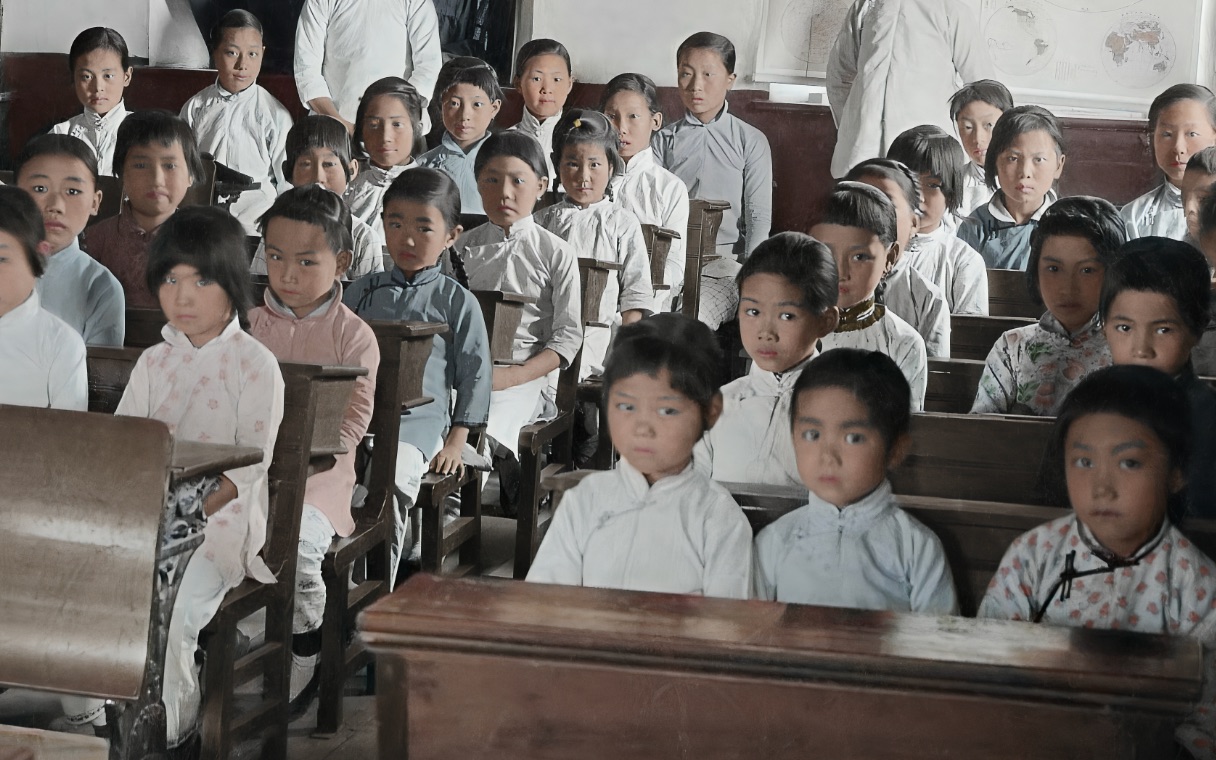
(1111, 159)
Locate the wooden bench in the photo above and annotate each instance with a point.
(658, 246)
(952, 384)
(502, 313)
(704, 221)
(1008, 295)
(143, 327)
(109, 371)
(478, 668)
(972, 336)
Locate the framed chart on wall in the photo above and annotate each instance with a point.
(796, 37)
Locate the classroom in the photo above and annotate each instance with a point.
(551, 378)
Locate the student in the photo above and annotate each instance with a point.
(101, 71)
(787, 302)
(317, 152)
(1182, 122)
(236, 120)
(851, 545)
(859, 227)
(42, 359)
(1154, 309)
(1031, 369)
(904, 290)
(653, 194)
(60, 174)
(434, 111)
(584, 151)
(936, 251)
(975, 109)
(892, 66)
(212, 382)
(157, 160)
(422, 219)
(343, 46)
(654, 523)
(468, 104)
(388, 128)
(718, 157)
(514, 254)
(543, 76)
(1024, 160)
(1120, 448)
(1205, 227)
(1196, 185)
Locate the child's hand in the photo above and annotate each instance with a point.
(448, 459)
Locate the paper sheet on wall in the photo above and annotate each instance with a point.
(796, 37)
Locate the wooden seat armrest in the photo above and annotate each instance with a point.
(406, 330)
(498, 295)
(764, 494)
(610, 266)
(539, 433)
(321, 371)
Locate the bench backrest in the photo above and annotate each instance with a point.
(658, 246)
(972, 336)
(143, 327)
(704, 221)
(1008, 295)
(109, 372)
(83, 498)
(502, 313)
(952, 385)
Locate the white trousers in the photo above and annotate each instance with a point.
(316, 534)
(411, 466)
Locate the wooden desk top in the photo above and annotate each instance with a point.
(769, 639)
(191, 459)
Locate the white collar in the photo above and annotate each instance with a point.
(535, 125)
(637, 487)
(856, 516)
(22, 312)
(996, 207)
(228, 97)
(776, 383)
(178, 339)
(519, 229)
(1049, 323)
(641, 161)
(114, 114)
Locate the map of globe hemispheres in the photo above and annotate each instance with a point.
(809, 29)
(1021, 37)
(1138, 51)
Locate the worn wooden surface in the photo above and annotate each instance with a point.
(192, 459)
(502, 313)
(952, 384)
(32, 744)
(109, 371)
(972, 336)
(701, 247)
(143, 327)
(1008, 295)
(658, 246)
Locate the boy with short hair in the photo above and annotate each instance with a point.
(1196, 186)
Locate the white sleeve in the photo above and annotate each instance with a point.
(259, 412)
(136, 398)
(842, 61)
(567, 335)
(970, 51)
(676, 219)
(560, 557)
(703, 455)
(997, 390)
(68, 382)
(425, 53)
(311, 30)
(938, 343)
(276, 142)
(728, 552)
(932, 585)
(970, 283)
(637, 290)
(764, 564)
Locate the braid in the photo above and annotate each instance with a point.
(462, 276)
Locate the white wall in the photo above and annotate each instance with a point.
(609, 37)
(49, 26)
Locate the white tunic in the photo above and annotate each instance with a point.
(530, 261)
(543, 132)
(869, 555)
(342, 46)
(83, 293)
(976, 192)
(954, 267)
(364, 195)
(894, 66)
(895, 338)
(229, 391)
(245, 131)
(42, 360)
(368, 254)
(914, 297)
(100, 132)
(752, 441)
(683, 535)
(604, 232)
(1157, 212)
(658, 197)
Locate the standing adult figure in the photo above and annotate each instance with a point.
(894, 66)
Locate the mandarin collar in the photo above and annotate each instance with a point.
(176, 338)
(114, 114)
(126, 218)
(1172, 194)
(637, 488)
(779, 382)
(694, 121)
(536, 125)
(1050, 324)
(1103, 554)
(280, 309)
(520, 228)
(855, 517)
(449, 143)
(641, 161)
(996, 207)
(385, 177)
(22, 312)
(229, 97)
(70, 252)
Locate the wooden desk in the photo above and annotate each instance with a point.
(477, 668)
(191, 459)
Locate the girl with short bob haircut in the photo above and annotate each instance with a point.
(388, 130)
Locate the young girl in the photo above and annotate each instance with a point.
(1182, 121)
(468, 104)
(654, 523)
(421, 220)
(318, 153)
(936, 251)
(236, 120)
(1121, 447)
(60, 173)
(101, 71)
(851, 545)
(904, 289)
(212, 382)
(1024, 160)
(859, 227)
(543, 76)
(1031, 369)
(787, 303)
(718, 157)
(653, 194)
(975, 109)
(388, 128)
(512, 253)
(158, 161)
(584, 148)
(1196, 185)
(42, 359)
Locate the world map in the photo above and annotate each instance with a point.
(1138, 51)
(1021, 37)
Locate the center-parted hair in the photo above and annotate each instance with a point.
(543, 46)
(686, 348)
(317, 131)
(1139, 393)
(98, 38)
(468, 70)
(1203, 161)
(316, 205)
(234, 19)
(1018, 121)
(404, 92)
(157, 126)
(802, 261)
(212, 241)
(639, 83)
(1094, 219)
(987, 91)
(432, 187)
(582, 126)
(900, 174)
(1178, 93)
(1160, 265)
(20, 217)
(873, 378)
(513, 145)
(928, 149)
(856, 204)
(710, 41)
(58, 145)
